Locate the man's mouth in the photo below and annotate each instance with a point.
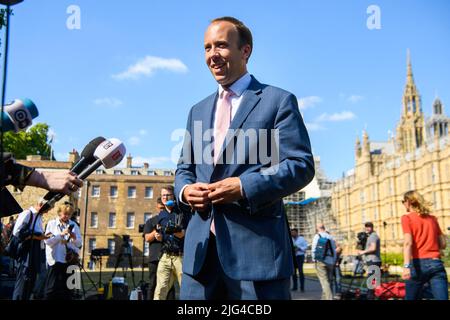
(218, 67)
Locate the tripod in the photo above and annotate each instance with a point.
(82, 270)
(125, 251)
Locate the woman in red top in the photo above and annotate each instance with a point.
(423, 242)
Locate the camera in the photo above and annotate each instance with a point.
(172, 228)
(361, 240)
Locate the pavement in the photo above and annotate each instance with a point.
(313, 291)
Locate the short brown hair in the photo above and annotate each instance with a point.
(245, 35)
(168, 188)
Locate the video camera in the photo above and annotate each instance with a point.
(169, 229)
(361, 240)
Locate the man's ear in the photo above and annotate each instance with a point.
(246, 51)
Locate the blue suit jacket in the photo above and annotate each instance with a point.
(253, 240)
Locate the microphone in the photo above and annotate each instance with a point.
(109, 153)
(10, 2)
(87, 157)
(18, 115)
(170, 203)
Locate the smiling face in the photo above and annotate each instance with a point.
(226, 61)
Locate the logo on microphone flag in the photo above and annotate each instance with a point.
(116, 155)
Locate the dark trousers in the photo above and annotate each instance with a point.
(301, 275)
(56, 283)
(213, 284)
(26, 275)
(25, 280)
(152, 268)
(371, 292)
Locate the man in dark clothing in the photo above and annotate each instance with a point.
(154, 252)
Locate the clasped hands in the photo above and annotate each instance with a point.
(200, 195)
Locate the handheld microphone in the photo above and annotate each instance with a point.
(18, 115)
(87, 157)
(109, 153)
(170, 203)
(10, 2)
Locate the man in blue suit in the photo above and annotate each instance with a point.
(237, 244)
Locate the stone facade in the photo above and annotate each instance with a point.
(118, 201)
(417, 158)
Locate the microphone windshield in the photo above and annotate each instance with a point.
(110, 152)
(89, 149)
(18, 115)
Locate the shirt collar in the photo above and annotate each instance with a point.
(33, 210)
(239, 86)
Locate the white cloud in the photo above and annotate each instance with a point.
(108, 102)
(149, 65)
(143, 132)
(134, 140)
(313, 126)
(335, 117)
(354, 98)
(309, 102)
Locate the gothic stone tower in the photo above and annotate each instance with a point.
(411, 129)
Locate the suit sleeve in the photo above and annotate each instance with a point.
(296, 163)
(185, 173)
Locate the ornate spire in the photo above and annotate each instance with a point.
(409, 73)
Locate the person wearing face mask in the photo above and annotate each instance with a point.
(63, 240)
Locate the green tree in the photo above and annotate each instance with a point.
(31, 142)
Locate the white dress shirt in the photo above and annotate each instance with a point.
(238, 88)
(55, 249)
(24, 218)
(300, 246)
(22, 221)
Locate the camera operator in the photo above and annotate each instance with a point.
(64, 241)
(169, 231)
(28, 270)
(371, 252)
(155, 252)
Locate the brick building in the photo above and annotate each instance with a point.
(118, 201)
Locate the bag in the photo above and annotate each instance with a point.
(391, 290)
(322, 248)
(17, 245)
(72, 257)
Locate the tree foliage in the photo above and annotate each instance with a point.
(34, 141)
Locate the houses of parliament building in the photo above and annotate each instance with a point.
(417, 157)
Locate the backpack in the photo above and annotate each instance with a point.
(322, 248)
(19, 245)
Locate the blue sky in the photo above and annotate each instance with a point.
(134, 69)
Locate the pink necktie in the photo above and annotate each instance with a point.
(223, 120)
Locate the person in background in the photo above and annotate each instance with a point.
(29, 263)
(338, 273)
(371, 253)
(62, 235)
(300, 246)
(155, 252)
(324, 255)
(423, 242)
